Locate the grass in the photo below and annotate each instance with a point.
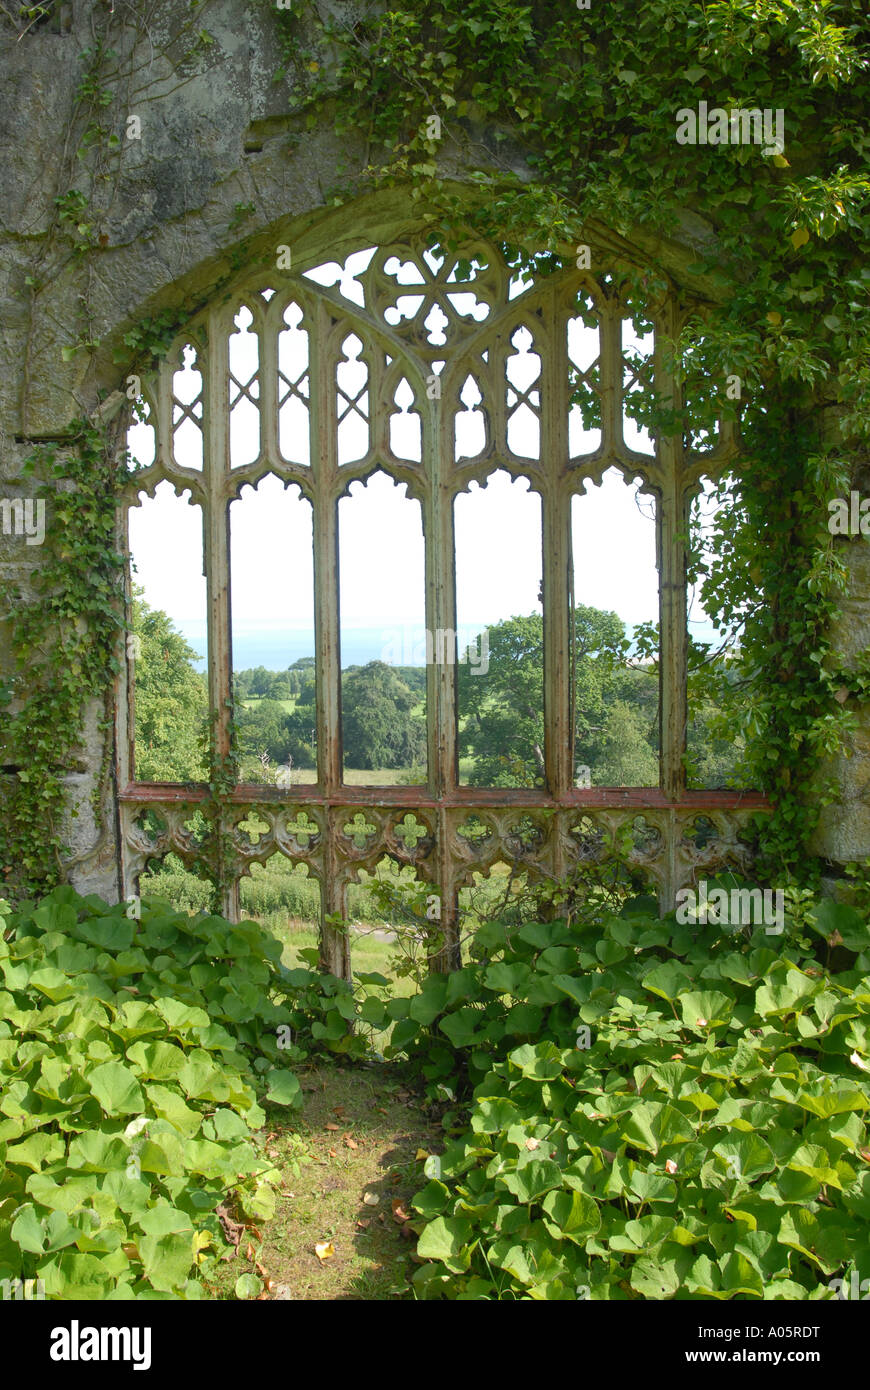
(376, 777)
(349, 1165)
(288, 706)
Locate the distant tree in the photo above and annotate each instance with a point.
(170, 701)
(281, 688)
(502, 706)
(261, 682)
(622, 755)
(378, 727)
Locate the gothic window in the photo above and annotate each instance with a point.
(435, 433)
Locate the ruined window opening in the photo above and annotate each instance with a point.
(434, 373)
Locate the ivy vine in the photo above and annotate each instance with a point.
(587, 99)
(562, 119)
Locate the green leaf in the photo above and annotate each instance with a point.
(831, 1096)
(573, 1216)
(746, 1155)
(533, 1179)
(655, 1279)
(668, 980)
(703, 1009)
(248, 1286)
(445, 1239)
(283, 1088)
(116, 1088)
(28, 1231)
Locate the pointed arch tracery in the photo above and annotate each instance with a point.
(438, 370)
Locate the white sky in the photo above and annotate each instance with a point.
(498, 531)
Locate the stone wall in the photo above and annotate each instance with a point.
(225, 169)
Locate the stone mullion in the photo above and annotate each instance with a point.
(441, 675)
(216, 549)
(611, 380)
(672, 532)
(269, 327)
(334, 945)
(556, 518)
(334, 950)
(164, 455)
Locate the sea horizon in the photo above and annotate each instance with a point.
(398, 644)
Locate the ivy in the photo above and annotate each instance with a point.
(590, 99)
(63, 641)
(586, 101)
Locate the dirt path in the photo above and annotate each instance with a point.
(351, 1167)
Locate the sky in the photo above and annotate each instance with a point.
(497, 527)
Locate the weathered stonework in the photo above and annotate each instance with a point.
(225, 170)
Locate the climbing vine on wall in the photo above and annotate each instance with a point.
(64, 642)
(64, 632)
(564, 118)
(586, 99)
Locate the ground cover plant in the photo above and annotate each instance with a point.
(138, 1061)
(632, 1108)
(659, 1111)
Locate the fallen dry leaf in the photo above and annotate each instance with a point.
(364, 1223)
(334, 1128)
(232, 1229)
(371, 1199)
(333, 1153)
(399, 1213)
(421, 1154)
(351, 1143)
(324, 1250)
(250, 1253)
